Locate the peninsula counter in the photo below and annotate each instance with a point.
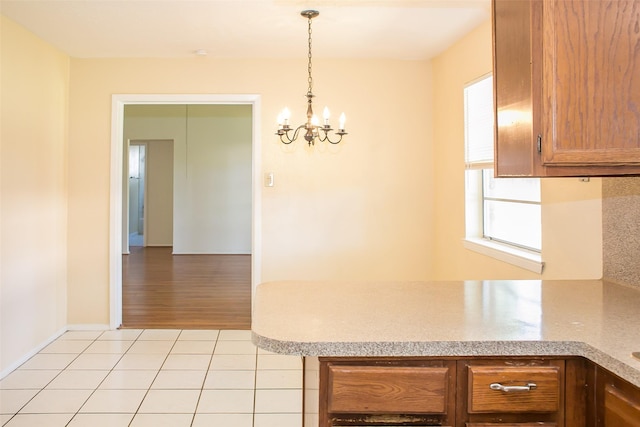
(591, 319)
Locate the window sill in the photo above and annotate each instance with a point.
(519, 257)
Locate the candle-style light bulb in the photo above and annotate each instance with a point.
(326, 115)
(342, 120)
(286, 115)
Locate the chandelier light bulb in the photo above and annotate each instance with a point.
(326, 115)
(343, 119)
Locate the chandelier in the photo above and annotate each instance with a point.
(312, 129)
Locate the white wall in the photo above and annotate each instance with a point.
(216, 178)
(212, 173)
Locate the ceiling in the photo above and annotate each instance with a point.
(399, 29)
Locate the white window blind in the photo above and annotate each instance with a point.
(478, 100)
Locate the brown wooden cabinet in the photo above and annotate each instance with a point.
(472, 392)
(567, 87)
(618, 402)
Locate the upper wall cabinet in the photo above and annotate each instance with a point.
(567, 87)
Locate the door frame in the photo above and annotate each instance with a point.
(118, 102)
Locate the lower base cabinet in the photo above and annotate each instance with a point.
(472, 392)
(618, 401)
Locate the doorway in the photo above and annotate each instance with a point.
(118, 104)
(148, 199)
(137, 184)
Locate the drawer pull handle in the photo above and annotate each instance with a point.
(512, 388)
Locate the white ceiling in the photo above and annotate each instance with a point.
(402, 29)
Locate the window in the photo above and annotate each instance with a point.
(503, 215)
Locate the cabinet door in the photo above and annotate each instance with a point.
(617, 401)
(620, 409)
(591, 82)
(516, 85)
(566, 87)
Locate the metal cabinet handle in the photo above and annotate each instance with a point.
(512, 388)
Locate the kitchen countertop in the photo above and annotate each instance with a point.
(591, 318)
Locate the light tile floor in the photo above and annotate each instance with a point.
(150, 377)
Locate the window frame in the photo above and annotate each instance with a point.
(475, 239)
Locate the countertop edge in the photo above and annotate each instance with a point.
(450, 349)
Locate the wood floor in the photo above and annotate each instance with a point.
(161, 290)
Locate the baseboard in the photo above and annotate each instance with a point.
(52, 338)
(15, 365)
(210, 253)
(88, 327)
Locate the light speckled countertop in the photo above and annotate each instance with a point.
(593, 319)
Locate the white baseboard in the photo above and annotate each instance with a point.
(88, 327)
(77, 327)
(15, 365)
(210, 253)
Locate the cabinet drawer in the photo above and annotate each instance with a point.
(485, 394)
(387, 389)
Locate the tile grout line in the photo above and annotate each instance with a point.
(204, 380)
(146, 393)
(255, 390)
(110, 371)
(52, 379)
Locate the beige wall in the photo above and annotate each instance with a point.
(358, 210)
(571, 210)
(33, 198)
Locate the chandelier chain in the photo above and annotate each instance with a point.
(309, 79)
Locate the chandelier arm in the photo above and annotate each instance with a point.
(326, 138)
(287, 141)
(285, 134)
